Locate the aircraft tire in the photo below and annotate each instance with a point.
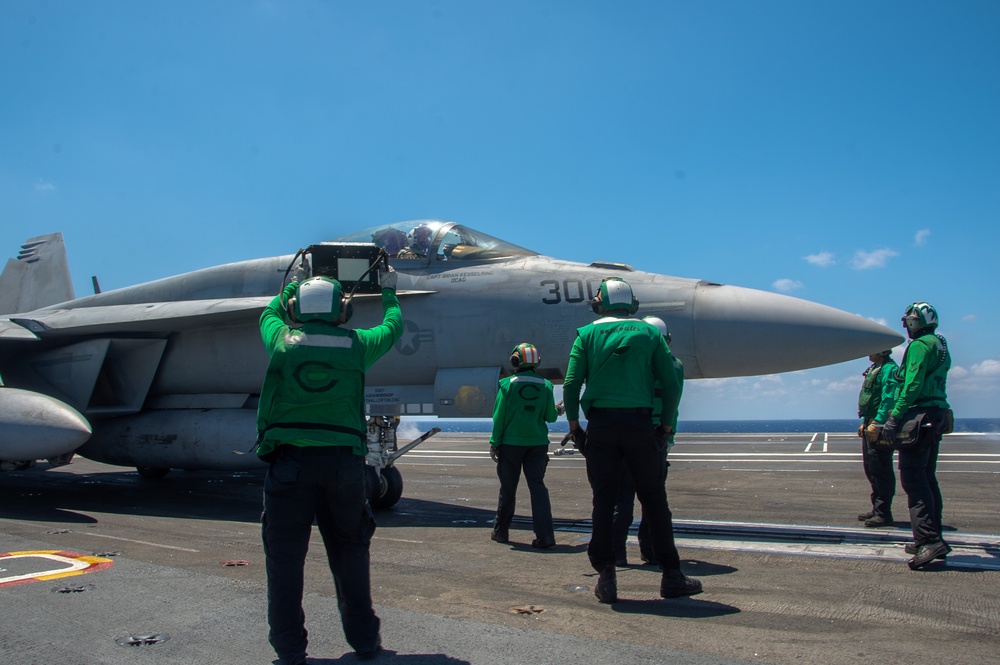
(152, 472)
(389, 490)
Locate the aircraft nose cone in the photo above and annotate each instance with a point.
(745, 332)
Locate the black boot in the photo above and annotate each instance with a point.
(927, 553)
(607, 586)
(676, 584)
(879, 520)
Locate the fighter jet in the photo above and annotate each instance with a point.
(167, 374)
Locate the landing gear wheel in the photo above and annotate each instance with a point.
(152, 472)
(389, 488)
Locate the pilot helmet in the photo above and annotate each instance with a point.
(614, 294)
(918, 316)
(419, 238)
(320, 299)
(660, 325)
(524, 356)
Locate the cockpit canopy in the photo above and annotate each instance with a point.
(426, 240)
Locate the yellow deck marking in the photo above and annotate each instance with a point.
(52, 565)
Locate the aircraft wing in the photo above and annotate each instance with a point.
(12, 331)
(158, 317)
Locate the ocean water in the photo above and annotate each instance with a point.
(962, 425)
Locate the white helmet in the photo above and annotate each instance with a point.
(660, 325)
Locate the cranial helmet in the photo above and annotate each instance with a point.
(614, 294)
(524, 356)
(918, 316)
(320, 299)
(660, 325)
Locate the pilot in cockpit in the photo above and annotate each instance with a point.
(419, 242)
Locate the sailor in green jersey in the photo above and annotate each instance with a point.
(878, 394)
(619, 359)
(520, 442)
(625, 502)
(311, 424)
(923, 374)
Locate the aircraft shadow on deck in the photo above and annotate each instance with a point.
(45, 497)
(232, 497)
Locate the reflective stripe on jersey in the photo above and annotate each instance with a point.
(527, 379)
(329, 341)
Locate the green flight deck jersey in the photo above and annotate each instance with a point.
(314, 388)
(525, 402)
(878, 392)
(923, 374)
(619, 359)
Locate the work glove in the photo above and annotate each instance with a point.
(387, 278)
(560, 409)
(288, 292)
(495, 454)
(579, 436)
(861, 430)
(873, 432)
(663, 434)
(889, 429)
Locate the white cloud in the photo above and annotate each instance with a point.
(921, 237)
(850, 384)
(989, 367)
(769, 385)
(821, 259)
(786, 285)
(44, 186)
(981, 380)
(970, 317)
(958, 372)
(865, 260)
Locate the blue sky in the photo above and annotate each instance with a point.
(845, 152)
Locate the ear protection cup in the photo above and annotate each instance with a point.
(346, 311)
(515, 360)
(597, 304)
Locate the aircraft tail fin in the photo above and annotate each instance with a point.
(38, 277)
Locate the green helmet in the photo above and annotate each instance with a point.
(918, 316)
(524, 356)
(320, 299)
(614, 294)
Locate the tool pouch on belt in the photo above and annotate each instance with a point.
(919, 425)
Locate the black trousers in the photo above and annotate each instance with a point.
(877, 461)
(533, 460)
(918, 476)
(617, 439)
(625, 515)
(327, 484)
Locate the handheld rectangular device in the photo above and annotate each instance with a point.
(347, 262)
